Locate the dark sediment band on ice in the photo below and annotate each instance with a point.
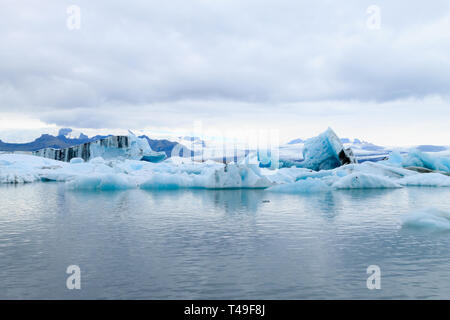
(426, 170)
(86, 150)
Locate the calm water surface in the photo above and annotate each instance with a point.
(206, 244)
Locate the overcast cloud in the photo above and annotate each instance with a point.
(296, 66)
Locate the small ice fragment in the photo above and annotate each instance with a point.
(76, 160)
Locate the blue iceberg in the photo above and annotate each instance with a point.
(419, 161)
(326, 152)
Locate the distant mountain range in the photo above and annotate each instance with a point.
(65, 139)
(161, 145)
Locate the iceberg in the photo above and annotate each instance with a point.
(112, 147)
(430, 219)
(100, 182)
(309, 185)
(76, 160)
(21, 168)
(165, 181)
(155, 157)
(120, 172)
(426, 180)
(238, 176)
(364, 181)
(419, 161)
(326, 152)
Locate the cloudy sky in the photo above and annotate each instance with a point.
(287, 65)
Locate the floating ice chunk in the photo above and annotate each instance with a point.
(97, 160)
(16, 177)
(426, 180)
(154, 158)
(378, 169)
(326, 152)
(308, 185)
(20, 168)
(140, 150)
(418, 159)
(100, 182)
(236, 176)
(214, 176)
(430, 219)
(164, 181)
(360, 180)
(394, 159)
(76, 160)
(285, 175)
(421, 159)
(317, 174)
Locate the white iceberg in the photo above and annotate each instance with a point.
(309, 185)
(360, 180)
(166, 181)
(21, 168)
(100, 182)
(231, 176)
(426, 180)
(76, 160)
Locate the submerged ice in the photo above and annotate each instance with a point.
(430, 219)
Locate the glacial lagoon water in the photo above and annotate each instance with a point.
(220, 244)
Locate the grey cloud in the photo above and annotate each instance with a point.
(156, 56)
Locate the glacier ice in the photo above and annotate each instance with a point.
(426, 180)
(166, 181)
(100, 182)
(326, 152)
(112, 147)
(76, 160)
(360, 180)
(394, 159)
(418, 159)
(119, 173)
(21, 168)
(308, 185)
